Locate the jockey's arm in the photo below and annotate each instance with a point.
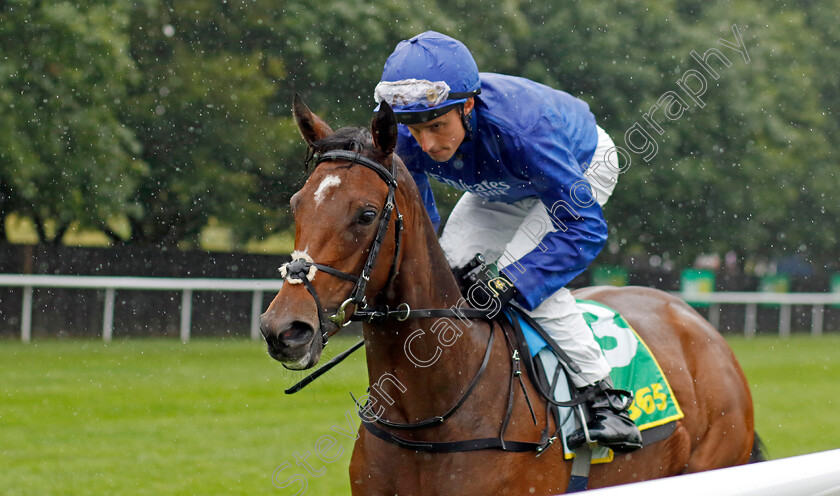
(580, 229)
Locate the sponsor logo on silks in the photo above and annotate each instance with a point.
(484, 189)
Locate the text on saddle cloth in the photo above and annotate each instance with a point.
(634, 368)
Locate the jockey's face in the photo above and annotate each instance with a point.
(441, 137)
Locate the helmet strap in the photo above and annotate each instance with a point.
(467, 122)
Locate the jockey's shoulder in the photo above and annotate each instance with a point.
(516, 105)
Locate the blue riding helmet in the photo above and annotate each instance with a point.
(427, 76)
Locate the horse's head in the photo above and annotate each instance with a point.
(343, 226)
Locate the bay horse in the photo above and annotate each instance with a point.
(363, 240)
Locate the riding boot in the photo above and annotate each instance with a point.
(610, 424)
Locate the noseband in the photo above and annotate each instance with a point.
(302, 269)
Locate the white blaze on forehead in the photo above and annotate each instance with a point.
(327, 183)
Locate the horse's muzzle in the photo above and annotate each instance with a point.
(296, 344)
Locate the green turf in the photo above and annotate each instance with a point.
(796, 391)
(159, 417)
(210, 417)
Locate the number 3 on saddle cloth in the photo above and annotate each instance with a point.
(634, 368)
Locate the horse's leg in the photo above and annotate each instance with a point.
(357, 479)
(366, 475)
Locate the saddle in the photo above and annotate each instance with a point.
(634, 368)
(654, 407)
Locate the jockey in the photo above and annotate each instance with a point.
(536, 170)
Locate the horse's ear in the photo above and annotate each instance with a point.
(312, 127)
(384, 129)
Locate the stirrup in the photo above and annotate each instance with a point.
(609, 418)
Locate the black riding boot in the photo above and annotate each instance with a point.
(610, 424)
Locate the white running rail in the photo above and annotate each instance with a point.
(186, 286)
(112, 284)
(784, 301)
(817, 474)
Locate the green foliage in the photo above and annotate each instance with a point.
(65, 155)
(727, 175)
(176, 114)
(200, 111)
(213, 106)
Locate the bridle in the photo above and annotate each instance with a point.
(300, 270)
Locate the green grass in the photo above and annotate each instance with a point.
(160, 417)
(210, 417)
(796, 391)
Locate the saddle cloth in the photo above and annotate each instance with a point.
(634, 368)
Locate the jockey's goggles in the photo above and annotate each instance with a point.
(419, 100)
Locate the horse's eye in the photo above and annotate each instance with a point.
(367, 217)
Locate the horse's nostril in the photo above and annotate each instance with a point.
(297, 334)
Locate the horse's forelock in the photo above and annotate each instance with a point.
(354, 139)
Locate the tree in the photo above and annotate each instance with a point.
(65, 156)
(726, 174)
(212, 109)
(176, 114)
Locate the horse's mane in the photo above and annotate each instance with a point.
(354, 139)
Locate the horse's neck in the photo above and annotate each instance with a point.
(425, 279)
(406, 351)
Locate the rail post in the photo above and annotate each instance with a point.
(256, 311)
(186, 314)
(26, 315)
(108, 315)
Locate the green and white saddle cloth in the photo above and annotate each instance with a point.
(634, 368)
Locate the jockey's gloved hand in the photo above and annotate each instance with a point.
(479, 284)
(502, 289)
(470, 273)
(490, 293)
